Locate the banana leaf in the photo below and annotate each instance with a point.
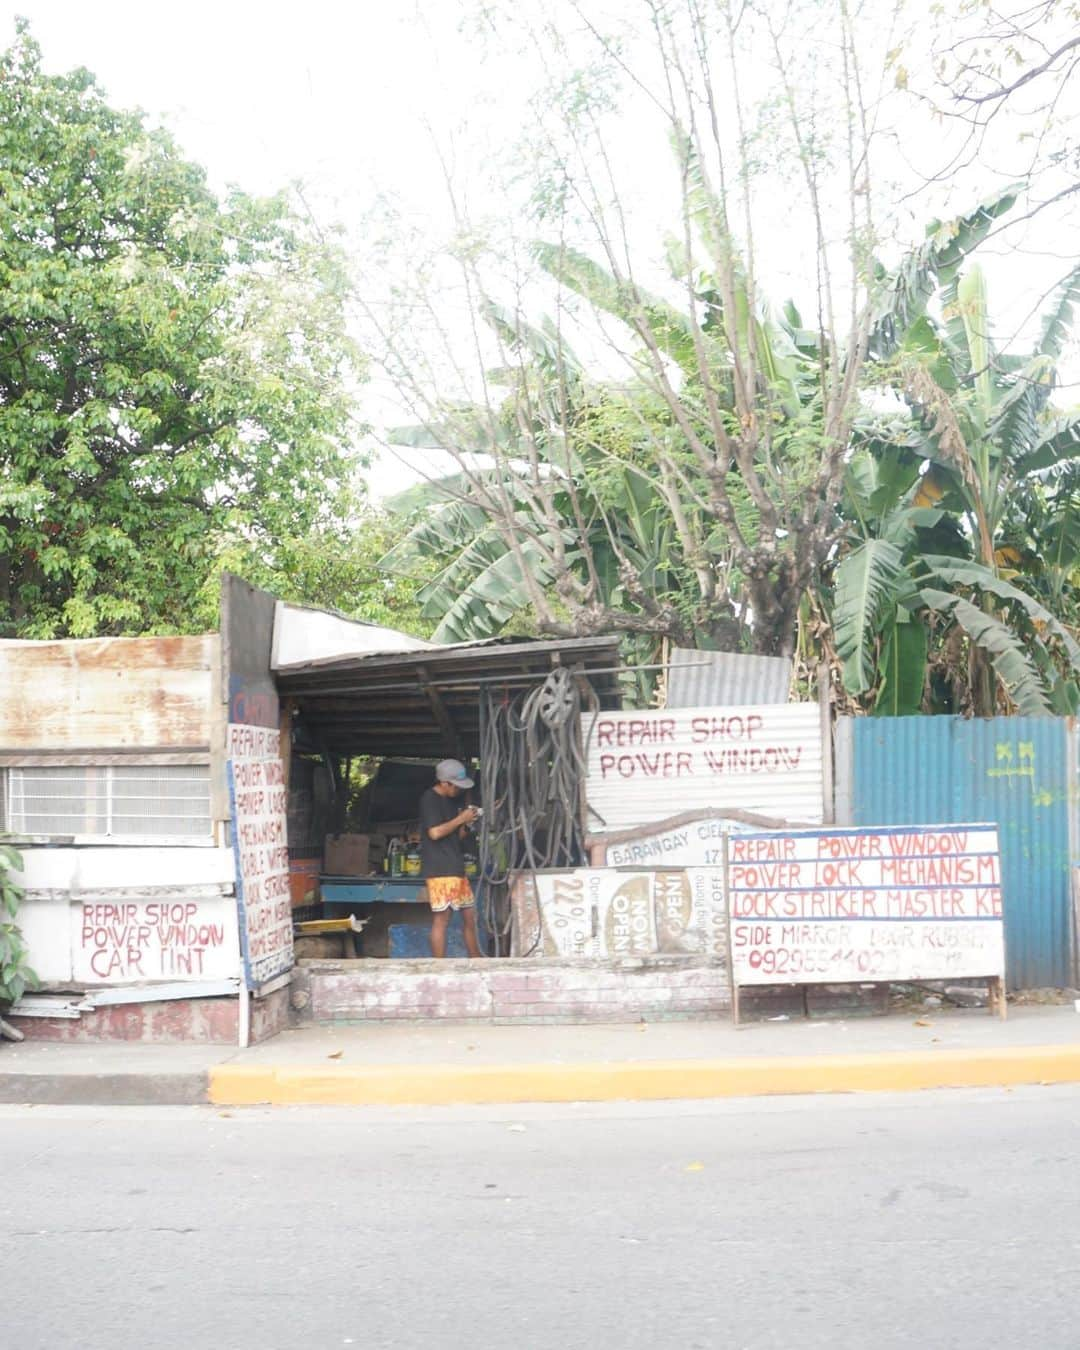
(903, 670)
(868, 582)
(1007, 654)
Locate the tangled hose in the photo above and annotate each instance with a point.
(532, 775)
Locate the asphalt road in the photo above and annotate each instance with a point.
(925, 1220)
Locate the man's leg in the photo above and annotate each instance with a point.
(468, 919)
(440, 921)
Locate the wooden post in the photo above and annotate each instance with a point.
(735, 1012)
(285, 738)
(587, 693)
(827, 767)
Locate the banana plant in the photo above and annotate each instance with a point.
(665, 535)
(762, 398)
(531, 507)
(989, 463)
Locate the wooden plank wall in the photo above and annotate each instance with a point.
(109, 694)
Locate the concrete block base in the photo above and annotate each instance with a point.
(182, 1021)
(645, 989)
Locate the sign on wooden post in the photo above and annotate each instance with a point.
(841, 906)
(258, 800)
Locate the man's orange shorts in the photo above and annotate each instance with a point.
(449, 893)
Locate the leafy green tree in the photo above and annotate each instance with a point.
(335, 565)
(738, 417)
(174, 368)
(967, 555)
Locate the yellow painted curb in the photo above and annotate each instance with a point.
(445, 1085)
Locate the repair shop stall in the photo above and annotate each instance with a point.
(664, 788)
(572, 787)
(372, 711)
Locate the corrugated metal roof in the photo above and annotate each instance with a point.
(304, 636)
(1012, 771)
(644, 767)
(400, 704)
(726, 679)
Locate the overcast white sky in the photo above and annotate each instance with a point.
(348, 98)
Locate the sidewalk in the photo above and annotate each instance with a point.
(439, 1065)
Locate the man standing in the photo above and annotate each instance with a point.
(442, 824)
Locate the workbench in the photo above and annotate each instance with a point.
(339, 894)
(343, 895)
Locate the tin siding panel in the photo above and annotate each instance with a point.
(726, 679)
(646, 766)
(107, 693)
(1011, 771)
(843, 806)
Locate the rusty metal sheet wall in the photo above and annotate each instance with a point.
(726, 679)
(107, 693)
(1009, 771)
(643, 767)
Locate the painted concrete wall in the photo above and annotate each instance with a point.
(205, 1021)
(511, 991)
(100, 917)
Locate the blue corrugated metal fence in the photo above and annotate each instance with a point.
(1009, 770)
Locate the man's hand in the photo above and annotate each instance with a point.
(462, 821)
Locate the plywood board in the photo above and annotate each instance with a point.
(609, 913)
(892, 904)
(259, 800)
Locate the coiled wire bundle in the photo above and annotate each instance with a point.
(532, 782)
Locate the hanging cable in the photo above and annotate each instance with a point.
(532, 776)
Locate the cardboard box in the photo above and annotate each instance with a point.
(347, 855)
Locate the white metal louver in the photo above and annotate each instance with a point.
(129, 801)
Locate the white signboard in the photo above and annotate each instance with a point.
(645, 766)
(599, 912)
(699, 843)
(258, 798)
(248, 742)
(905, 903)
(124, 941)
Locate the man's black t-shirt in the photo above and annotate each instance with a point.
(440, 857)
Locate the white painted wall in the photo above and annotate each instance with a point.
(83, 869)
(106, 917)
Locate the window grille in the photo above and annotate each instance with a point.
(125, 801)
